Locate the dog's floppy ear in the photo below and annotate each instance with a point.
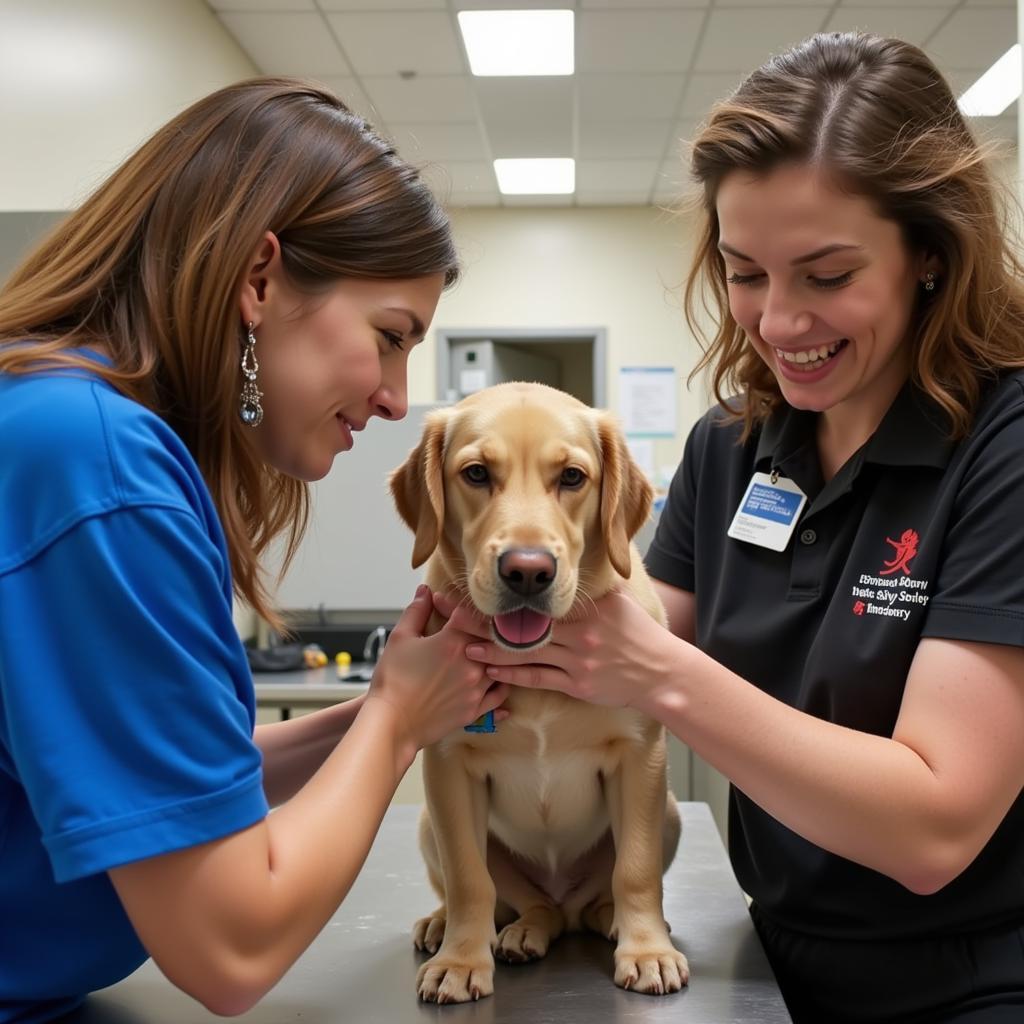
(626, 494)
(418, 488)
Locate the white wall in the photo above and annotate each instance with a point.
(83, 82)
(620, 268)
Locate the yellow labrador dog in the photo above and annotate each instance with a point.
(526, 500)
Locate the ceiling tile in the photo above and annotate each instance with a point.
(544, 98)
(287, 44)
(622, 197)
(742, 40)
(504, 5)
(438, 141)
(458, 199)
(262, 5)
(683, 134)
(471, 177)
(975, 38)
(615, 175)
(393, 41)
(905, 3)
(636, 40)
(610, 140)
(507, 4)
(672, 176)
(705, 88)
(374, 6)
(348, 90)
(665, 193)
(538, 200)
(512, 139)
(626, 5)
(611, 97)
(779, 3)
(459, 182)
(423, 98)
(914, 24)
(997, 129)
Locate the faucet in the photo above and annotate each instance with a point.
(375, 642)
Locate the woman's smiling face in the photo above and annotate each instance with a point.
(330, 362)
(822, 285)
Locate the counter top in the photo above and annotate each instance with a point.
(362, 967)
(311, 687)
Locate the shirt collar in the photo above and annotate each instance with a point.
(913, 432)
(784, 433)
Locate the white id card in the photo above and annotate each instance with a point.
(768, 513)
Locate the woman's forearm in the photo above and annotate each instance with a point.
(265, 891)
(871, 799)
(294, 750)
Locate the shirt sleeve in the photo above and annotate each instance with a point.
(126, 695)
(670, 558)
(979, 591)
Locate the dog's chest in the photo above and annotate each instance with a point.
(546, 768)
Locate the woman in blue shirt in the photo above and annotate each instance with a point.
(178, 358)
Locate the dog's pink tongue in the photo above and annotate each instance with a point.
(521, 627)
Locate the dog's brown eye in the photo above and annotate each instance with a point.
(572, 477)
(476, 475)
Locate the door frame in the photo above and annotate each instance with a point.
(597, 336)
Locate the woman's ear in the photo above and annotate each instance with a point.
(263, 266)
(930, 262)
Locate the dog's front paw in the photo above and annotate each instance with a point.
(456, 978)
(656, 971)
(428, 932)
(523, 940)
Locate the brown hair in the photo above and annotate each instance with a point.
(877, 116)
(150, 266)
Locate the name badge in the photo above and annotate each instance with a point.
(769, 511)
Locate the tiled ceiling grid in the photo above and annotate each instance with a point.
(646, 73)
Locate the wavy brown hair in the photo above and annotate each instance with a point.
(880, 120)
(150, 266)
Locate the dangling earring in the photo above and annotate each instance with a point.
(929, 281)
(250, 412)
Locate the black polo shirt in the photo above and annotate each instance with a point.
(914, 537)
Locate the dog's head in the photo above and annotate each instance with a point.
(528, 499)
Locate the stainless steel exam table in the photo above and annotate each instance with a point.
(362, 966)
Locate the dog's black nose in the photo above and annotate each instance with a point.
(527, 570)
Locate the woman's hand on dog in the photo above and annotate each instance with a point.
(429, 681)
(617, 656)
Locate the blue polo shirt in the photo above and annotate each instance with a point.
(126, 702)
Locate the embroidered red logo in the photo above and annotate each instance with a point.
(858, 607)
(906, 549)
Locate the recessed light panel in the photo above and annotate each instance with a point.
(536, 176)
(518, 42)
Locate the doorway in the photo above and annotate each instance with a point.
(570, 359)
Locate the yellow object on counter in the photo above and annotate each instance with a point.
(313, 656)
(344, 661)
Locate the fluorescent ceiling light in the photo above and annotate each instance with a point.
(518, 42)
(996, 89)
(537, 177)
